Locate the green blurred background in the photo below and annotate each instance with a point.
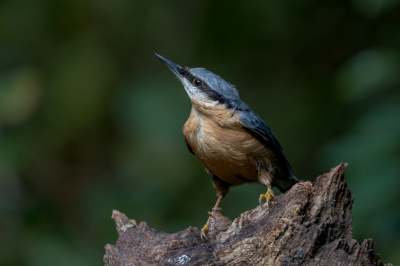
(90, 119)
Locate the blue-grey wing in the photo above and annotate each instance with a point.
(261, 131)
(254, 124)
(283, 175)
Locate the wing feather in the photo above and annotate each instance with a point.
(283, 175)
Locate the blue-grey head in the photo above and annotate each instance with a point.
(204, 86)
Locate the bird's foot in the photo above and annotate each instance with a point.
(267, 196)
(205, 228)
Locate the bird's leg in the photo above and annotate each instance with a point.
(205, 228)
(267, 196)
(264, 177)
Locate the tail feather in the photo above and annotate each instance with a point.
(285, 185)
(284, 180)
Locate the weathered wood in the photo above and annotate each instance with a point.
(308, 225)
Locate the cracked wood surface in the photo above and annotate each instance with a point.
(308, 225)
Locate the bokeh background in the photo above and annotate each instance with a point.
(90, 120)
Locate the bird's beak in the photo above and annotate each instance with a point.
(171, 65)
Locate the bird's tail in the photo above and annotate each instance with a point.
(285, 180)
(286, 184)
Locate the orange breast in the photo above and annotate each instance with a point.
(222, 145)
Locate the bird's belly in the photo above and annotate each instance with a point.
(228, 153)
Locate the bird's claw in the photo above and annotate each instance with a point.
(267, 196)
(204, 235)
(204, 230)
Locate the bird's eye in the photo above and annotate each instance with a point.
(197, 82)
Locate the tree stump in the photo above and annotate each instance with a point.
(308, 225)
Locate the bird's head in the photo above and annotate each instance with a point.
(204, 86)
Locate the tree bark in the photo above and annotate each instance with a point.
(308, 225)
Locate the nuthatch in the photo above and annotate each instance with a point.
(229, 138)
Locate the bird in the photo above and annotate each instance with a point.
(231, 141)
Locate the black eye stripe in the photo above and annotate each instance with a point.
(192, 79)
(214, 95)
(184, 70)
